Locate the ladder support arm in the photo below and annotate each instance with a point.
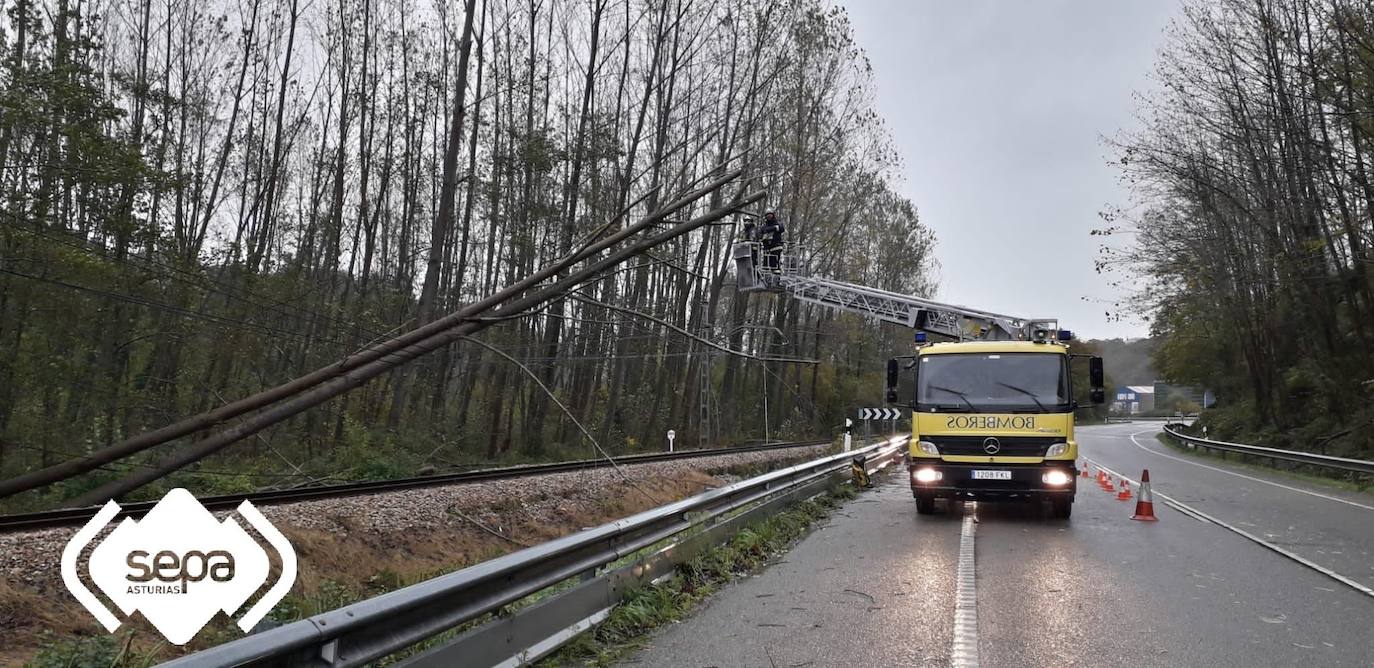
(785, 275)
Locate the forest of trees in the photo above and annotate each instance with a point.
(199, 200)
(1254, 180)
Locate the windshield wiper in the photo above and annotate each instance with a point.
(1026, 392)
(959, 394)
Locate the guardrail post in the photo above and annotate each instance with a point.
(329, 653)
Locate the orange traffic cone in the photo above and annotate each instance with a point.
(1085, 473)
(1107, 484)
(1145, 504)
(1125, 494)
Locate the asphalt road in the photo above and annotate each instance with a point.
(1331, 527)
(875, 585)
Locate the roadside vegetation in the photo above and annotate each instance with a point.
(1253, 218)
(675, 598)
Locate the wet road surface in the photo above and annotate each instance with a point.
(875, 585)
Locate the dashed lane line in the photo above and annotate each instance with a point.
(1348, 502)
(964, 652)
(1198, 514)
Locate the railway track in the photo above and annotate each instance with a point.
(61, 517)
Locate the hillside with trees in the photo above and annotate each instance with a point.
(1128, 361)
(1254, 217)
(200, 200)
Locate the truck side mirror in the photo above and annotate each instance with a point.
(1096, 379)
(893, 370)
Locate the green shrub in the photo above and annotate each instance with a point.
(92, 652)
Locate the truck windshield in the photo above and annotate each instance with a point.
(993, 383)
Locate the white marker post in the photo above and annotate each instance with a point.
(848, 424)
(671, 435)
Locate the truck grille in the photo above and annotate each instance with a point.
(1010, 446)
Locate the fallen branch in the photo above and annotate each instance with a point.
(484, 527)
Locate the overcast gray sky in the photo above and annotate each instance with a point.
(997, 109)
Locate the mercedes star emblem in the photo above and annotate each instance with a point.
(991, 445)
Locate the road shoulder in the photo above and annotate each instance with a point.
(872, 586)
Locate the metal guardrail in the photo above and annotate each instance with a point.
(1310, 458)
(44, 519)
(368, 630)
(1147, 418)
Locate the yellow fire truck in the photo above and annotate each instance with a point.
(992, 409)
(994, 420)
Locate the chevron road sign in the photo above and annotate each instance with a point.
(880, 413)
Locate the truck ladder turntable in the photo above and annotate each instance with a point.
(958, 322)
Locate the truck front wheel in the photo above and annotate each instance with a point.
(925, 504)
(1061, 507)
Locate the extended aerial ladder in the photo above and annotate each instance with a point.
(755, 272)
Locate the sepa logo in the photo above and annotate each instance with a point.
(179, 566)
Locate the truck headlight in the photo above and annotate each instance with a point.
(1057, 449)
(1056, 478)
(926, 475)
(927, 447)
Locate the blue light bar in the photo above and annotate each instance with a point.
(1065, 335)
(920, 337)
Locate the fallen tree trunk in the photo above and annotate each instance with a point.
(218, 416)
(352, 378)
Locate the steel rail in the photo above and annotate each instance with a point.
(1309, 458)
(76, 516)
(381, 626)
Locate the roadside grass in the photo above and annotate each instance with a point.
(1359, 486)
(676, 597)
(89, 652)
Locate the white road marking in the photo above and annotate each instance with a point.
(1195, 513)
(1186, 511)
(964, 653)
(1348, 502)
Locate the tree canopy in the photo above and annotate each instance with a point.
(1254, 216)
(200, 200)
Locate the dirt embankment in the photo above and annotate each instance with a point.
(353, 547)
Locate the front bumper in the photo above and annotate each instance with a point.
(1026, 480)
